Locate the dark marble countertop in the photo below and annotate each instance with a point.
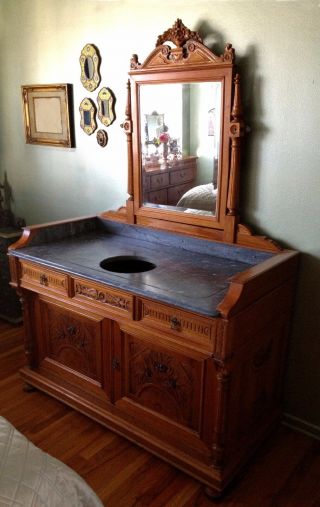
(189, 273)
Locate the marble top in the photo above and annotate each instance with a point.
(189, 273)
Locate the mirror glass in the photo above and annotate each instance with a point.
(88, 67)
(105, 110)
(180, 136)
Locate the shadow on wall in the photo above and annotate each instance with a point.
(303, 375)
(7, 218)
(253, 111)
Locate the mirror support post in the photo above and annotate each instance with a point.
(236, 133)
(127, 127)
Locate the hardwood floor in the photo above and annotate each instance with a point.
(284, 473)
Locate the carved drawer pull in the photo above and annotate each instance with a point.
(175, 323)
(44, 280)
(115, 363)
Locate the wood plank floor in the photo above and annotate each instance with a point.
(284, 473)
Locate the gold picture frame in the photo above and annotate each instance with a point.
(48, 117)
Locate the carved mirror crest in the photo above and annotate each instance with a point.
(90, 62)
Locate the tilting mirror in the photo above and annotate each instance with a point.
(184, 127)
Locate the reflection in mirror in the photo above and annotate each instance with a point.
(153, 127)
(180, 149)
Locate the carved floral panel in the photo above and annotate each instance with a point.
(164, 382)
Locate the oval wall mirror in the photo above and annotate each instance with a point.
(89, 63)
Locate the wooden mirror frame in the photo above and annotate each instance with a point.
(190, 61)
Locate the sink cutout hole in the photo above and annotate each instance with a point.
(126, 264)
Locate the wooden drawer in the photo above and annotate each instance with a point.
(175, 193)
(145, 181)
(182, 175)
(158, 196)
(159, 180)
(197, 329)
(43, 279)
(99, 296)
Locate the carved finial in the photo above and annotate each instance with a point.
(179, 34)
(134, 62)
(228, 55)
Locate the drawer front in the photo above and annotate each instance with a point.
(159, 181)
(158, 196)
(175, 193)
(197, 329)
(42, 279)
(103, 297)
(177, 177)
(145, 181)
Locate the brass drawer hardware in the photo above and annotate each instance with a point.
(44, 280)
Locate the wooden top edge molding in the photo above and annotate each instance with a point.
(246, 237)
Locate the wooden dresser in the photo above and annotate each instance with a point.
(186, 359)
(169, 327)
(165, 183)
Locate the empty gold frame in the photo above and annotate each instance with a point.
(90, 62)
(48, 115)
(88, 116)
(106, 102)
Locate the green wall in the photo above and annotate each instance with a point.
(277, 47)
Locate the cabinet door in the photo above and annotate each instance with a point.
(156, 382)
(75, 346)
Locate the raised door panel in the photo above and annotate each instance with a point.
(75, 346)
(160, 383)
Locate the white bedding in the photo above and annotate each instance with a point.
(201, 197)
(31, 478)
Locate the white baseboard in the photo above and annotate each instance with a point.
(300, 425)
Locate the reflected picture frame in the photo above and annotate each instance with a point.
(48, 114)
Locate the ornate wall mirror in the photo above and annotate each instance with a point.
(89, 63)
(106, 103)
(184, 126)
(87, 116)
